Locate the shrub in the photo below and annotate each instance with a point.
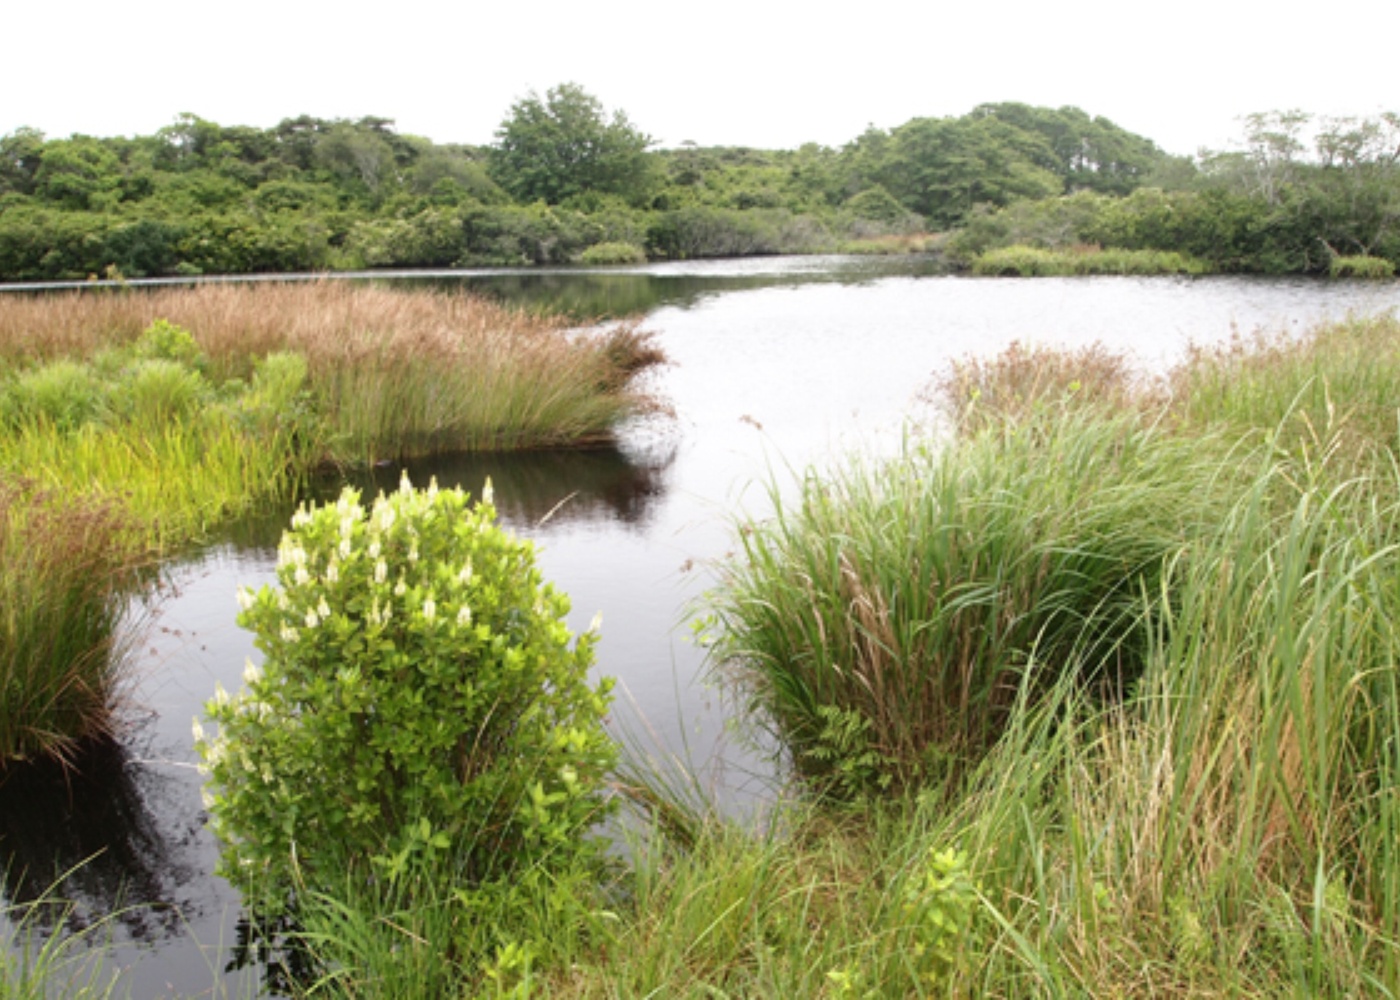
(613, 253)
(65, 394)
(420, 699)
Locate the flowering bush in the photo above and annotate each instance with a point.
(420, 698)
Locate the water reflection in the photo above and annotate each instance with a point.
(534, 489)
(614, 292)
(99, 837)
(593, 293)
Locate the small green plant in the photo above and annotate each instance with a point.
(169, 342)
(421, 698)
(843, 754)
(940, 906)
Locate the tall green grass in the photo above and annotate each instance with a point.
(1023, 261)
(65, 565)
(890, 613)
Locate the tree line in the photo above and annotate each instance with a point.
(566, 178)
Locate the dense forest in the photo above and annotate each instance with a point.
(568, 181)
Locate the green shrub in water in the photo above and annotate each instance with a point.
(421, 699)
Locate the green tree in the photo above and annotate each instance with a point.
(565, 144)
(79, 173)
(20, 154)
(1093, 153)
(942, 167)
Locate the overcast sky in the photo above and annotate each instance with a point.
(721, 72)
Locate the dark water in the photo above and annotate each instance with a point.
(777, 364)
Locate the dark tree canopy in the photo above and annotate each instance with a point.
(565, 145)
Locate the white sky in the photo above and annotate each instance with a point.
(719, 72)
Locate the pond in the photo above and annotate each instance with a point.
(777, 364)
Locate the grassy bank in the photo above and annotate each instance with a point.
(132, 423)
(1131, 650)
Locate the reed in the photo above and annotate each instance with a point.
(888, 613)
(65, 565)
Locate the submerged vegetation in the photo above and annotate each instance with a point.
(131, 424)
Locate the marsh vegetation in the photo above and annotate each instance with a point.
(134, 424)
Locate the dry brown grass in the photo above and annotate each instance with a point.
(1010, 385)
(328, 321)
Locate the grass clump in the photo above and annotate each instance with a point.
(1360, 266)
(891, 613)
(65, 567)
(1023, 261)
(390, 373)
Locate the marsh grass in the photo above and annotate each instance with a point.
(1361, 266)
(66, 565)
(172, 411)
(1182, 707)
(1021, 261)
(36, 963)
(891, 244)
(1011, 386)
(392, 373)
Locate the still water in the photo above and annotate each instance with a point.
(776, 365)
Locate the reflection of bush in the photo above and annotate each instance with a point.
(565, 486)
